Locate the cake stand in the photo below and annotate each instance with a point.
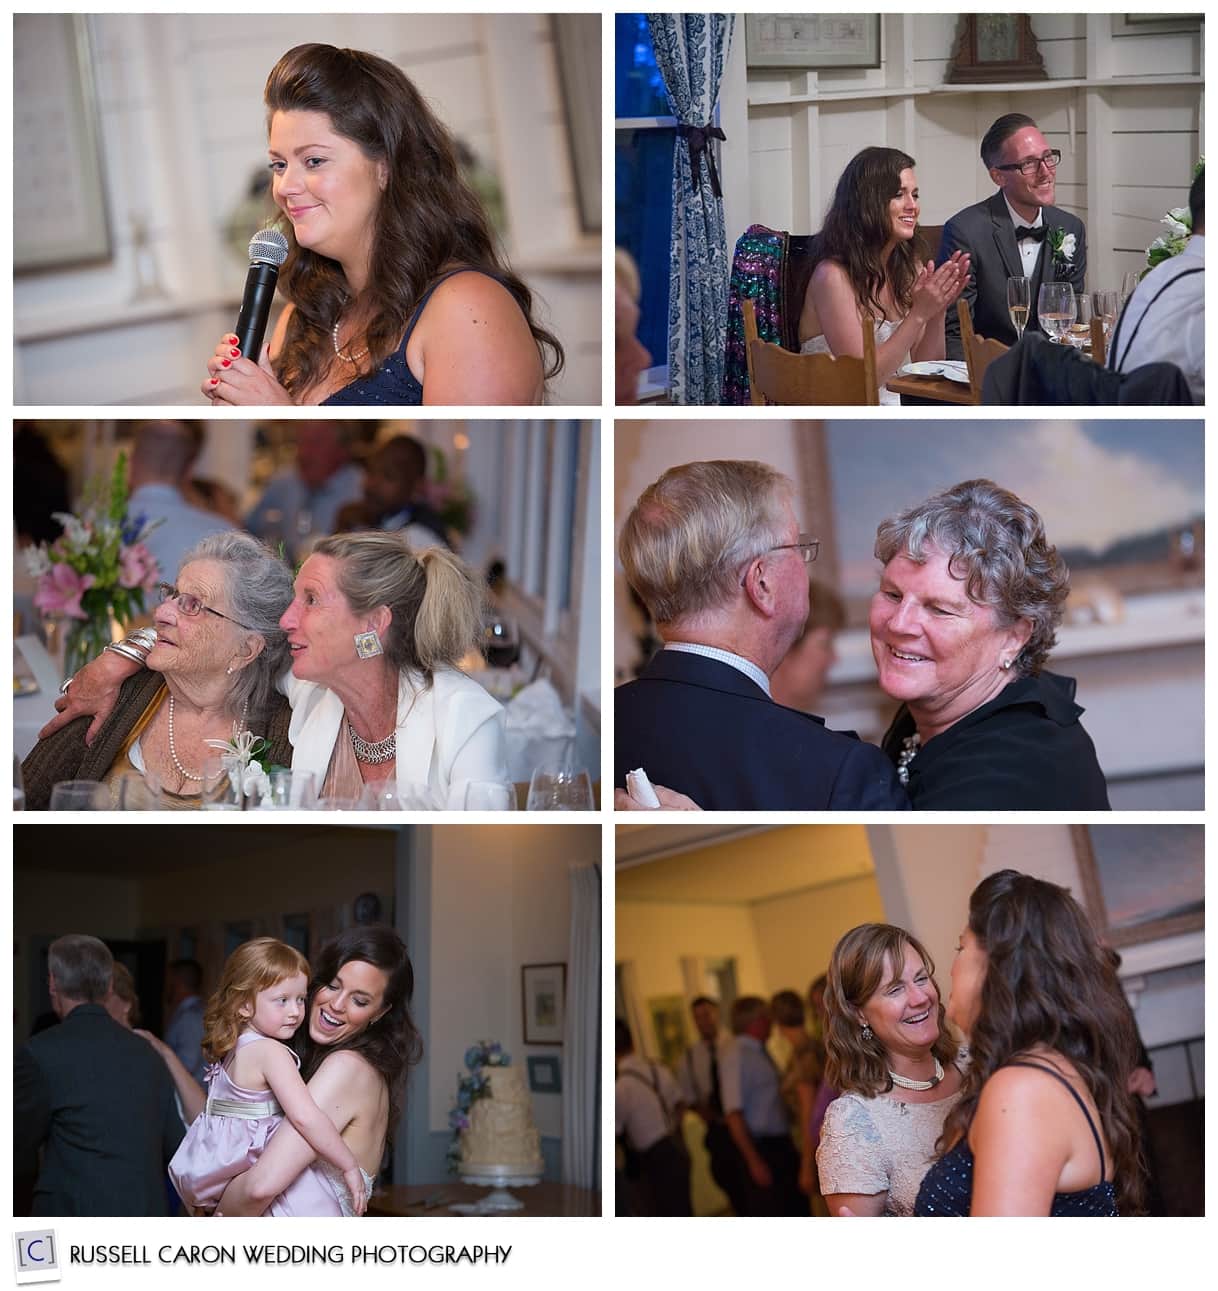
(499, 1178)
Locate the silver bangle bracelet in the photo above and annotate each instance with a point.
(128, 651)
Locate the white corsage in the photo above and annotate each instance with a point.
(240, 758)
(1063, 245)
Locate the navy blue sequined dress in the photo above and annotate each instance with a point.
(392, 382)
(947, 1188)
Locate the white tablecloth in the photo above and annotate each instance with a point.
(32, 712)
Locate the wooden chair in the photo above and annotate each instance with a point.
(979, 353)
(1099, 351)
(776, 376)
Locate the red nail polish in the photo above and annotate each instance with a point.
(215, 381)
(236, 354)
(224, 363)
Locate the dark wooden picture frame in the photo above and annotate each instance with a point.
(1154, 920)
(543, 1022)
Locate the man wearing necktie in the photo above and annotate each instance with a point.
(1016, 233)
(702, 1089)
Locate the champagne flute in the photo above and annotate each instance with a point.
(563, 788)
(1055, 308)
(1128, 283)
(1019, 298)
(1105, 304)
(1080, 330)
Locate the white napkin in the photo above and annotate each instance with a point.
(639, 788)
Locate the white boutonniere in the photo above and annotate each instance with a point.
(1063, 245)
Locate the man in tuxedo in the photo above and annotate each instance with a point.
(1016, 233)
(714, 551)
(94, 1098)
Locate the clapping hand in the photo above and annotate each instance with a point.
(234, 379)
(936, 290)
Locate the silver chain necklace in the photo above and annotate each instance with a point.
(238, 727)
(373, 754)
(909, 750)
(906, 1083)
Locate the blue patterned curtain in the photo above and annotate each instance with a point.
(691, 49)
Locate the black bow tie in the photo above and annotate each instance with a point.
(1036, 235)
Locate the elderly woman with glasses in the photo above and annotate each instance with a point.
(210, 676)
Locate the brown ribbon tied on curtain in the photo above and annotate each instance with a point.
(698, 138)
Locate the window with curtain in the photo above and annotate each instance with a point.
(644, 135)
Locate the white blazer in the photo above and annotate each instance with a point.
(448, 733)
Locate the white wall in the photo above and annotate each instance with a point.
(183, 132)
(1128, 150)
(499, 900)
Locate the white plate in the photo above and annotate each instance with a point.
(952, 369)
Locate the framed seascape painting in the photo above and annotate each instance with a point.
(1142, 883)
(543, 990)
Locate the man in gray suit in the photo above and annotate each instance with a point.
(1016, 233)
(96, 1099)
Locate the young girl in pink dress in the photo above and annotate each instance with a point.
(254, 1079)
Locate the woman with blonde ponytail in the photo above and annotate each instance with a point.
(376, 631)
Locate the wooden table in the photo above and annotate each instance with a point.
(936, 389)
(549, 1199)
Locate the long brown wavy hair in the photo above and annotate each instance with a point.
(392, 1044)
(863, 961)
(858, 226)
(1049, 982)
(254, 966)
(429, 219)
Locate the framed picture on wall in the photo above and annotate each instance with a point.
(1142, 882)
(668, 1025)
(544, 996)
(812, 40)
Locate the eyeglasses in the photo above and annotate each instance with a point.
(191, 606)
(804, 543)
(1030, 165)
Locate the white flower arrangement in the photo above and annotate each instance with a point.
(1179, 224)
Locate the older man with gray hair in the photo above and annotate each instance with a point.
(93, 1097)
(713, 549)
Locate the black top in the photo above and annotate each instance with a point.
(702, 727)
(947, 1189)
(1023, 751)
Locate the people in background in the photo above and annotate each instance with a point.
(868, 273)
(184, 1007)
(1164, 319)
(647, 1112)
(757, 1116)
(631, 358)
(799, 680)
(305, 498)
(700, 1074)
(158, 475)
(1015, 233)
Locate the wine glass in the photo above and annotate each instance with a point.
(1019, 299)
(1079, 334)
(382, 796)
(291, 791)
(219, 790)
(18, 785)
(335, 803)
(555, 788)
(1104, 304)
(132, 791)
(80, 795)
(1128, 283)
(488, 795)
(1055, 308)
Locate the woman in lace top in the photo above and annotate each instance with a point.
(868, 273)
(895, 1064)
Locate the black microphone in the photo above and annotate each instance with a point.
(268, 250)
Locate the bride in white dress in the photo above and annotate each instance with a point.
(867, 270)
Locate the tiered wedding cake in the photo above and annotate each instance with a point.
(501, 1140)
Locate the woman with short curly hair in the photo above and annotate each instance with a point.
(967, 610)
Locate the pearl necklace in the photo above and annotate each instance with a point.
(238, 727)
(353, 359)
(373, 754)
(909, 750)
(905, 1083)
